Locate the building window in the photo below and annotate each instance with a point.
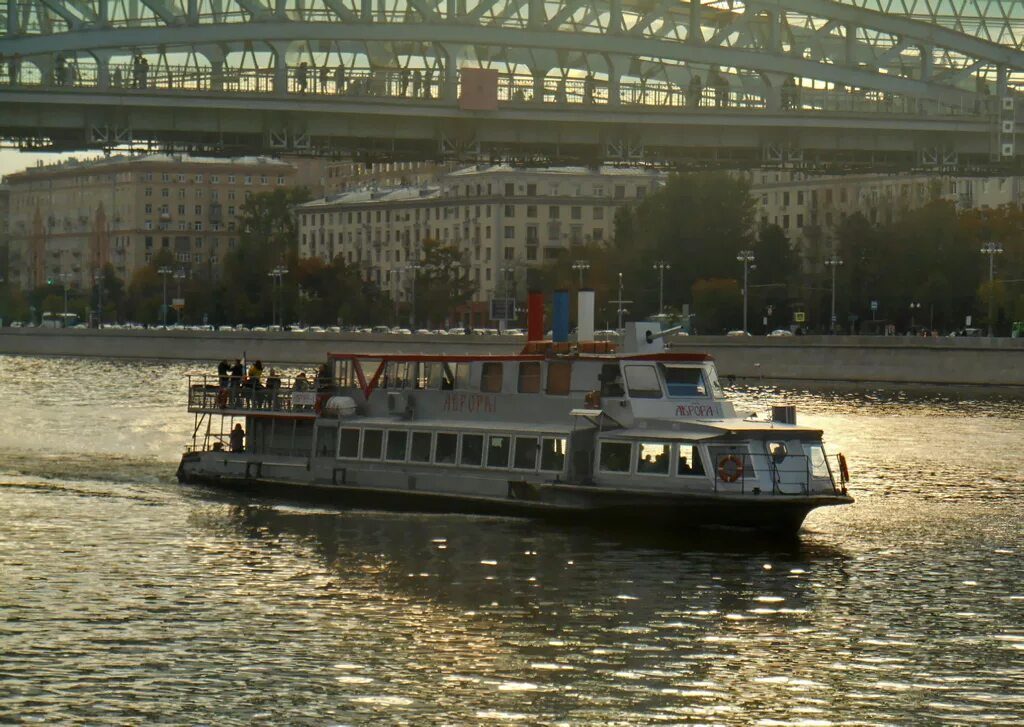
(510, 232)
(510, 210)
(599, 213)
(553, 211)
(510, 189)
(576, 213)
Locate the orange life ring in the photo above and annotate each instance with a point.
(730, 468)
(844, 472)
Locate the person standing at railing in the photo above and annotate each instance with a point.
(273, 388)
(325, 75)
(302, 76)
(222, 373)
(339, 78)
(237, 371)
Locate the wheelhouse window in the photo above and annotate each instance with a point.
(445, 447)
(552, 454)
(498, 450)
(529, 377)
(490, 377)
(615, 456)
(345, 374)
(652, 458)
(472, 450)
(526, 453)
(397, 443)
(559, 376)
(684, 381)
(420, 450)
(642, 382)
(349, 448)
(462, 375)
(373, 440)
(689, 462)
(816, 461)
(611, 381)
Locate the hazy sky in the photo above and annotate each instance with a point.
(14, 161)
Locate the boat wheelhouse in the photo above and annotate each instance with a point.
(578, 431)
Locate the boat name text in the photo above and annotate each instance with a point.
(471, 403)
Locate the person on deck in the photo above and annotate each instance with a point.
(237, 439)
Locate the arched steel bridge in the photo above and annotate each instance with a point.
(882, 83)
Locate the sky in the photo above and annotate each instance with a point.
(14, 161)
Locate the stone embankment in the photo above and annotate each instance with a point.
(894, 360)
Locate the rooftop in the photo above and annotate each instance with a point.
(74, 165)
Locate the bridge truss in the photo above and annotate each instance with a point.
(861, 83)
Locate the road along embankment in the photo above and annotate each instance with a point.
(894, 360)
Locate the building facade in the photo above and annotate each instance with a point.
(68, 220)
(503, 220)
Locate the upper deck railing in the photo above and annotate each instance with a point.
(226, 395)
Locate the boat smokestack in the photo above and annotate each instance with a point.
(585, 315)
(535, 316)
(560, 317)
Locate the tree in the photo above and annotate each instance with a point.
(717, 304)
(269, 238)
(442, 283)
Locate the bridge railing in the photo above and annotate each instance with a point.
(513, 89)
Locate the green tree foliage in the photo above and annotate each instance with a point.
(334, 293)
(717, 305)
(442, 283)
(269, 237)
(696, 223)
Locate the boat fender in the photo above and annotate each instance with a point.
(730, 468)
(844, 472)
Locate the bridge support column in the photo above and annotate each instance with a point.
(450, 89)
(538, 86)
(850, 51)
(103, 13)
(280, 69)
(614, 82)
(693, 34)
(366, 11)
(102, 68)
(12, 17)
(1001, 80)
(926, 62)
(192, 12)
(615, 17)
(537, 17)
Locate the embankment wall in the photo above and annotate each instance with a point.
(897, 360)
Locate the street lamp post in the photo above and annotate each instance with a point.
(98, 280)
(581, 266)
(276, 276)
(833, 261)
(413, 268)
(746, 257)
(991, 249)
(914, 307)
(507, 280)
(661, 266)
(165, 271)
(65, 278)
(179, 275)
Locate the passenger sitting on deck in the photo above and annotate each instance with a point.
(684, 467)
(237, 439)
(273, 386)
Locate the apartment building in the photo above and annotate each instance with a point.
(503, 219)
(68, 220)
(345, 176)
(810, 206)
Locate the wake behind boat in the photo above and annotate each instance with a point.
(576, 431)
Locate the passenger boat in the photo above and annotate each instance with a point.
(634, 434)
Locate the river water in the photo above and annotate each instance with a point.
(127, 599)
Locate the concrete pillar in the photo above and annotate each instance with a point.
(12, 17)
(926, 63)
(537, 18)
(280, 8)
(103, 13)
(280, 69)
(217, 74)
(450, 89)
(693, 34)
(538, 86)
(192, 12)
(1001, 80)
(614, 17)
(614, 82)
(366, 11)
(851, 44)
(102, 68)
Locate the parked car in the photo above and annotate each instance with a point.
(738, 333)
(781, 332)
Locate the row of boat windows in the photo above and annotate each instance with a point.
(644, 381)
(651, 458)
(498, 451)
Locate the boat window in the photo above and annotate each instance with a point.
(445, 448)
(689, 462)
(642, 382)
(559, 376)
(428, 376)
(611, 380)
(349, 444)
(345, 374)
(420, 450)
(816, 460)
(490, 377)
(398, 375)
(397, 441)
(497, 451)
(711, 375)
(615, 456)
(552, 454)
(684, 381)
(447, 377)
(472, 450)
(529, 377)
(526, 453)
(372, 441)
(652, 458)
(325, 439)
(461, 375)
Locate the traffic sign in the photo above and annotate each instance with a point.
(874, 305)
(799, 316)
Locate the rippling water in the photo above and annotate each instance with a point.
(126, 599)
